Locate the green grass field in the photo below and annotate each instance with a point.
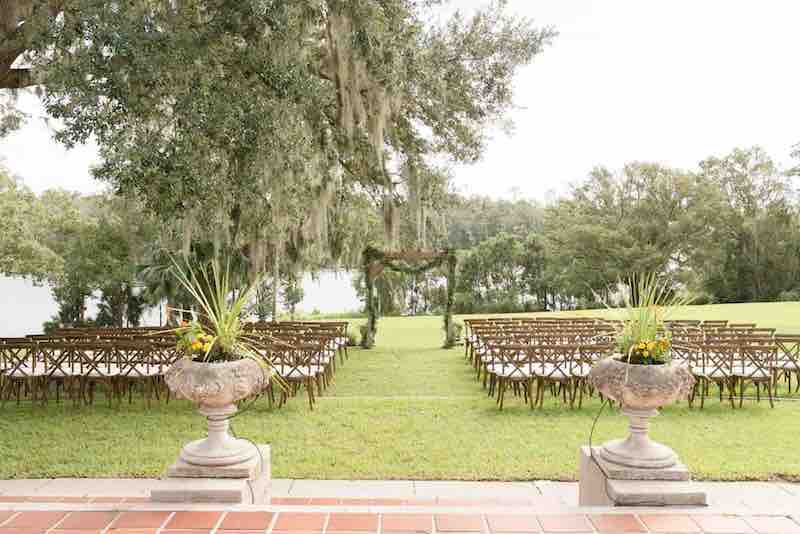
(409, 409)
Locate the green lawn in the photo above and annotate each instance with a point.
(408, 409)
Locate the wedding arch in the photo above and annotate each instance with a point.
(409, 262)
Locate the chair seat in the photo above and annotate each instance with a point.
(704, 372)
(506, 370)
(26, 371)
(552, 371)
(752, 372)
(102, 373)
(303, 371)
(581, 370)
(141, 371)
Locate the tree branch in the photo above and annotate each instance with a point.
(16, 79)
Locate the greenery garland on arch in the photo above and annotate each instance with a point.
(375, 261)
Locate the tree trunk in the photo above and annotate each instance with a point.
(275, 281)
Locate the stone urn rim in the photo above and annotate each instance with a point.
(641, 386)
(217, 383)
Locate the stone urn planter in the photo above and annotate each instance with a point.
(640, 390)
(215, 388)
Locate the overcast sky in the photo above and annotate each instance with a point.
(669, 81)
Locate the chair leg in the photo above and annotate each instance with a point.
(530, 392)
(310, 390)
(703, 392)
(741, 392)
(771, 396)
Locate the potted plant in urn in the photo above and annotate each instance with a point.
(641, 375)
(220, 367)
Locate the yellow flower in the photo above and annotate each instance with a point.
(647, 353)
(197, 345)
(651, 345)
(207, 347)
(642, 345)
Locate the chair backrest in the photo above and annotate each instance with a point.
(755, 361)
(717, 360)
(20, 358)
(787, 352)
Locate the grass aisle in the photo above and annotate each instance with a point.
(405, 410)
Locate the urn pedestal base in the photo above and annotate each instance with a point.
(603, 483)
(247, 482)
(638, 450)
(219, 449)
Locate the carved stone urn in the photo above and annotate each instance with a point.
(215, 388)
(640, 390)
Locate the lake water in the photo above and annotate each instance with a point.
(24, 306)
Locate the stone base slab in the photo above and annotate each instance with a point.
(251, 468)
(620, 472)
(245, 483)
(655, 493)
(597, 488)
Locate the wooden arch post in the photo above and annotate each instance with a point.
(374, 263)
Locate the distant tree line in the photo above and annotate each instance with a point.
(727, 231)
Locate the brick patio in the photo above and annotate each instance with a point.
(113, 506)
(307, 522)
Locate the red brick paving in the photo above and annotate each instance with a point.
(565, 523)
(35, 520)
(617, 523)
(459, 522)
(674, 524)
(140, 520)
(247, 521)
(513, 523)
(407, 522)
(298, 522)
(353, 522)
(87, 520)
(193, 520)
(323, 501)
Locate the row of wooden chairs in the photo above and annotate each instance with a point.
(303, 354)
(530, 356)
(556, 354)
(75, 361)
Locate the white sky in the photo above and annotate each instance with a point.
(672, 81)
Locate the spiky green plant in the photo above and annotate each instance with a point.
(218, 332)
(642, 338)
